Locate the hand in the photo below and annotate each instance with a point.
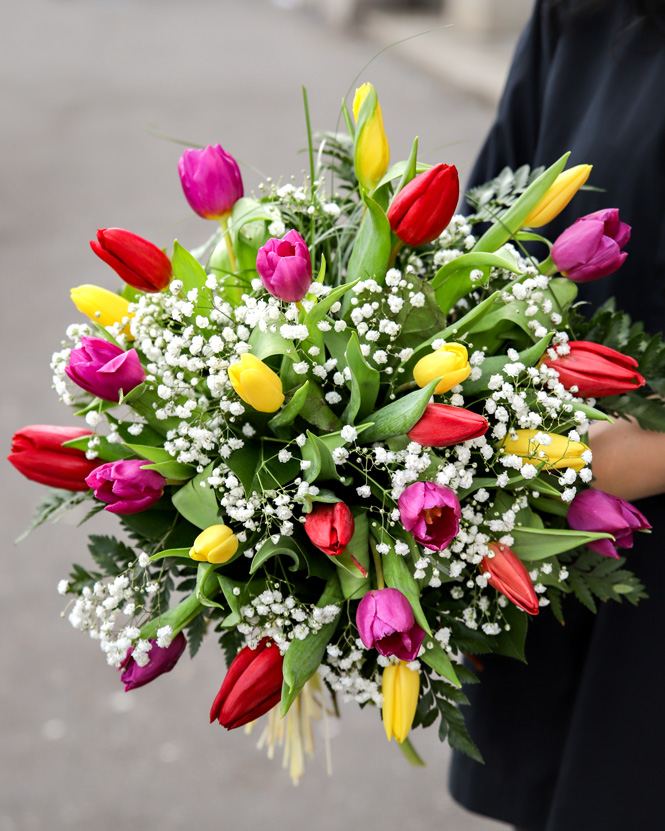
(627, 461)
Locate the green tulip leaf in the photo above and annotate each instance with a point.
(235, 601)
(354, 585)
(435, 656)
(324, 495)
(180, 553)
(397, 170)
(285, 546)
(453, 280)
(511, 642)
(105, 450)
(398, 575)
(172, 470)
(197, 502)
(533, 544)
(187, 269)
(398, 417)
(371, 250)
(304, 657)
(364, 383)
(265, 344)
(290, 411)
(510, 222)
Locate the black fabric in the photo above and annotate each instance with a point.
(574, 741)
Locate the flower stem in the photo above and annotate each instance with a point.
(378, 566)
(411, 754)
(229, 245)
(394, 251)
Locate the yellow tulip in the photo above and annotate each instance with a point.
(101, 305)
(451, 362)
(372, 151)
(558, 196)
(400, 689)
(559, 453)
(217, 544)
(257, 384)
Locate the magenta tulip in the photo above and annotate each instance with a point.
(126, 486)
(135, 260)
(211, 181)
(38, 454)
(285, 267)
(431, 513)
(162, 659)
(600, 512)
(385, 621)
(104, 370)
(591, 247)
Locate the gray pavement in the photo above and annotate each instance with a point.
(80, 83)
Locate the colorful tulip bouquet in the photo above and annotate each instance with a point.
(346, 436)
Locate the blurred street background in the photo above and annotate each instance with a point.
(86, 89)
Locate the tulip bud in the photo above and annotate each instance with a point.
(217, 544)
(442, 426)
(136, 261)
(424, 207)
(160, 660)
(101, 305)
(558, 196)
(508, 575)
(385, 620)
(256, 384)
(38, 454)
(554, 453)
(285, 267)
(591, 247)
(596, 371)
(603, 513)
(372, 152)
(103, 369)
(251, 687)
(400, 688)
(211, 181)
(431, 513)
(330, 527)
(451, 362)
(126, 487)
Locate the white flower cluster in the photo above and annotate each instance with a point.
(342, 671)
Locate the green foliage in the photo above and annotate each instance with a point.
(593, 576)
(111, 555)
(439, 699)
(80, 577)
(53, 507)
(231, 642)
(494, 197)
(195, 632)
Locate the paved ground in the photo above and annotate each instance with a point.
(80, 84)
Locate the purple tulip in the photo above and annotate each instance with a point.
(162, 659)
(385, 621)
(431, 513)
(285, 267)
(103, 369)
(211, 181)
(126, 486)
(591, 247)
(594, 510)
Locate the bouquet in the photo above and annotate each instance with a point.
(347, 435)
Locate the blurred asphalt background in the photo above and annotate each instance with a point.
(82, 84)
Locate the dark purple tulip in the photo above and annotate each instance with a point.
(594, 510)
(285, 267)
(591, 247)
(211, 181)
(431, 513)
(385, 621)
(126, 487)
(162, 659)
(103, 369)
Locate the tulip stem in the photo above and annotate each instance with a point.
(378, 566)
(229, 245)
(411, 754)
(394, 251)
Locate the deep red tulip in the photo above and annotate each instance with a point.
(251, 687)
(424, 207)
(442, 426)
(138, 262)
(38, 454)
(509, 576)
(597, 371)
(330, 527)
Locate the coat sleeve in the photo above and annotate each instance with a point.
(513, 138)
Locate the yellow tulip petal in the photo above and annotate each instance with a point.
(224, 551)
(259, 393)
(558, 196)
(388, 690)
(101, 305)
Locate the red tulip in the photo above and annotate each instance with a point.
(138, 262)
(251, 687)
(424, 207)
(597, 371)
(330, 527)
(442, 425)
(38, 454)
(509, 576)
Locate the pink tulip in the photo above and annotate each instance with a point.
(595, 510)
(103, 369)
(385, 620)
(162, 659)
(285, 267)
(211, 181)
(591, 247)
(431, 513)
(126, 486)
